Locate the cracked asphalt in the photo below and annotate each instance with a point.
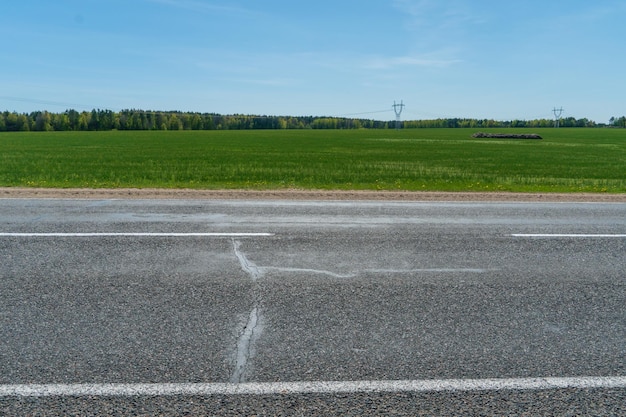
(341, 291)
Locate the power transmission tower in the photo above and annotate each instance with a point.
(397, 108)
(557, 116)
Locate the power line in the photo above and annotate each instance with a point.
(365, 112)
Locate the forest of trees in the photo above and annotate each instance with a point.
(72, 120)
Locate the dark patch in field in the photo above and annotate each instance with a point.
(506, 135)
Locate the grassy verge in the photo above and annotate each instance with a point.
(567, 160)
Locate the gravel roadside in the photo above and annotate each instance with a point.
(148, 193)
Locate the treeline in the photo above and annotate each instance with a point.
(72, 120)
(490, 123)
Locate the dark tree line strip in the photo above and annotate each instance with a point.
(73, 120)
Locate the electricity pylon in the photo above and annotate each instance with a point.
(397, 108)
(557, 116)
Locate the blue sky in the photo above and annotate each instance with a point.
(444, 58)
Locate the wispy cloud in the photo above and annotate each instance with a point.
(205, 7)
(268, 82)
(593, 13)
(417, 9)
(351, 63)
(434, 15)
(460, 10)
(408, 61)
(439, 34)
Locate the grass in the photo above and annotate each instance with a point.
(567, 160)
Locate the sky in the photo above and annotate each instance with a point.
(491, 59)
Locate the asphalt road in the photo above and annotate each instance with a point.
(172, 296)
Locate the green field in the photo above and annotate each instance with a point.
(567, 160)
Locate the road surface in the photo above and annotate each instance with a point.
(312, 308)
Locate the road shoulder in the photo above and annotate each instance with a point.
(290, 194)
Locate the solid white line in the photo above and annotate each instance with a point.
(312, 387)
(156, 234)
(565, 235)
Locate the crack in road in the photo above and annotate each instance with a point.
(253, 328)
(248, 267)
(245, 345)
(307, 270)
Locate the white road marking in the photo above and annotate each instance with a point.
(140, 234)
(576, 235)
(311, 387)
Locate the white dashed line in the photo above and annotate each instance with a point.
(574, 235)
(140, 234)
(312, 387)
